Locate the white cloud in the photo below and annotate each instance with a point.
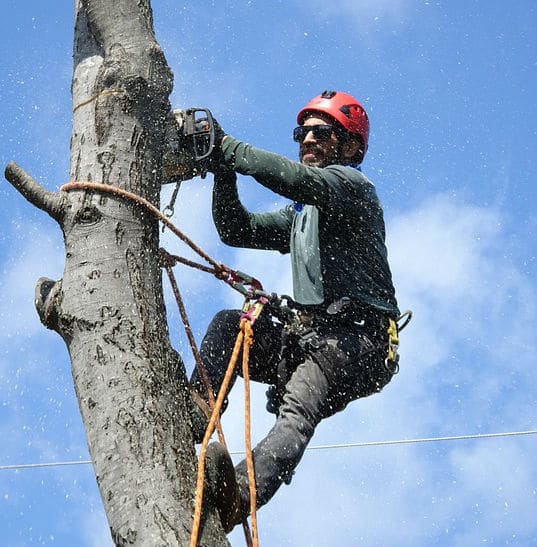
(499, 480)
(450, 266)
(440, 246)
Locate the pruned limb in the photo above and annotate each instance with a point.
(50, 202)
(48, 301)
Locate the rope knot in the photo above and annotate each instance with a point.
(166, 259)
(221, 272)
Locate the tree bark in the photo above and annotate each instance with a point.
(108, 307)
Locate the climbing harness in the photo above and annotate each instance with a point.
(299, 321)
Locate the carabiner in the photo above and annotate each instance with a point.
(169, 209)
(252, 311)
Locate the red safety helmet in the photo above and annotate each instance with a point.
(345, 109)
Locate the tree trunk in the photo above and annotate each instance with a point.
(109, 308)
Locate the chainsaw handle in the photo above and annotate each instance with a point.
(197, 134)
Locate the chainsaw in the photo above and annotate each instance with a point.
(189, 144)
(190, 140)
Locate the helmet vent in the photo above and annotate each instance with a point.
(346, 109)
(328, 94)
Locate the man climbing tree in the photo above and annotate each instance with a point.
(338, 345)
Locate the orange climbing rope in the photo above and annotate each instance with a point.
(248, 341)
(114, 190)
(244, 341)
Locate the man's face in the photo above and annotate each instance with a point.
(319, 152)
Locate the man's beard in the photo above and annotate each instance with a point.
(317, 156)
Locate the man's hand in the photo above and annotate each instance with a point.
(216, 159)
(219, 134)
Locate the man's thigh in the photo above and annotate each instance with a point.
(265, 353)
(353, 364)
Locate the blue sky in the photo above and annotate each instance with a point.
(450, 88)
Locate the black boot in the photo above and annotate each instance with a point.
(223, 487)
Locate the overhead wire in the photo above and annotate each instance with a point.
(475, 436)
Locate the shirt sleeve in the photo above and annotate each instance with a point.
(238, 227)
(330, 188)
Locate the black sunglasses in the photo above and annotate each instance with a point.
(320, 132)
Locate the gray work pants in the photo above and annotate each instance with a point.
(315, 375)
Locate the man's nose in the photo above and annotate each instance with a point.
(310, 137)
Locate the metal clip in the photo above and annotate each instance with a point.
(169, 209)
(310, 340)
(253, 311)
(392, 359)
(239, 281)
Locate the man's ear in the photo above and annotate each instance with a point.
(351, 148)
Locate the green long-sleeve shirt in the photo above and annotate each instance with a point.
(336, 236)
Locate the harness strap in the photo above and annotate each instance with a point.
(302, 323)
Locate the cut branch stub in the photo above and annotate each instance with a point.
(48, 296)
(50, 202)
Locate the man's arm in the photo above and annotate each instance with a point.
(238, 227)
(329, 188)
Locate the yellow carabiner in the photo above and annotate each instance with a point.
(253, 311)
(392, 358)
